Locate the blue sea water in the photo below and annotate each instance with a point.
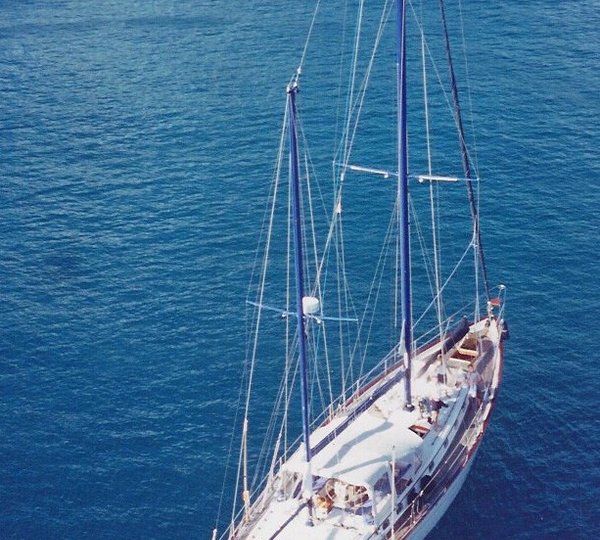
(136, 143)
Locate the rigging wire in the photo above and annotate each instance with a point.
(350, 99)
(464, 151)
(374, 290)
(432, 192)
(260, 297)
(354, 109)
(468, 85)
(353, 113)
(305, 49)
(441, 85)
(319, 296)
(250, 360)
(339, 101)
(479, 248)
(448, 279)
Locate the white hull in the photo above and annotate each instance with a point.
(433, 516)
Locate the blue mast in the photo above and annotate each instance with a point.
(405, 283)
(292, 90)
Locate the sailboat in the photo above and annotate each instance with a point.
(387, 439)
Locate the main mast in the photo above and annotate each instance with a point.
(405, 282)
(292, 90)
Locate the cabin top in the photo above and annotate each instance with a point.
(361, 454)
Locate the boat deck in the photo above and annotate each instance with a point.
(351, 486)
